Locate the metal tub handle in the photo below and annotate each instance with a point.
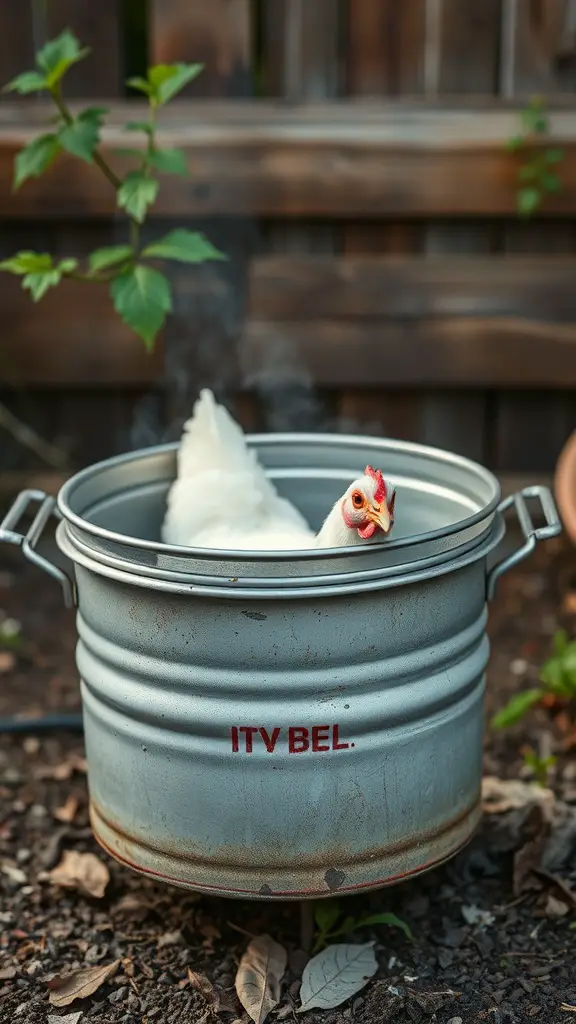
(531, 533)
(28, 541)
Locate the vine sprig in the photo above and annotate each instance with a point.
(538, 173)
(140, 293)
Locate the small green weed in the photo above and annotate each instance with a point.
(331, 923)
(538, 174)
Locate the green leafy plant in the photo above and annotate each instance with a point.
(538, 173)
(140, 293)
(539, 766)
(331, 923)
(557, 691)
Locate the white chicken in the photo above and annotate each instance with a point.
(223, 499)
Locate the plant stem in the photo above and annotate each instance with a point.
(98, 158)
(108, 173)
(306, 925)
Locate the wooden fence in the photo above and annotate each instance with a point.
(350, 158)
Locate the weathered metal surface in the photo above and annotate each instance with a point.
(116, 507)
(287, 725)
(270, 748)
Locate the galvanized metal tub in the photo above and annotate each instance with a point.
(291, 724)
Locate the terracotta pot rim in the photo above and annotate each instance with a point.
(565, 485)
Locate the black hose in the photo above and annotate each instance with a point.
(60, 720)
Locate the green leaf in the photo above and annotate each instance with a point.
(529, 172)
(555, 679)
(561, 642)
(139, 126)
(527, 201)
(82, 136)
(390, 919)
(534, 116)
(166, 80)
(514, 144)
(35, 158)
(66, 266)
(169, 161)
(326, 913)
(553, 156)
(136, 193)
(40, 281)
(184, 246)
(110, 256)
(140, 84)
(29, 81)
(551, 182)
(142, 297)
(27, 262)
(58, 55)
(516, 708)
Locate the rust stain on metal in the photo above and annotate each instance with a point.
(182, 863)
(334, 879)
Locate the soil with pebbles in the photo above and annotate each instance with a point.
(480, 952)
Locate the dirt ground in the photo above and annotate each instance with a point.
(493, 931)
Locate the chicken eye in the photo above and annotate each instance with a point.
(357, 499)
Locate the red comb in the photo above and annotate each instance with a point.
(376, 474)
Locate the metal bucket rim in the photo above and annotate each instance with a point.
(282, 591)
(313, 554)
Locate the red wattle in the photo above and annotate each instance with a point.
(367, 531)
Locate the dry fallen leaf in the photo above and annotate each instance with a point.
(260, 972)
(79, 984)
(63, 771)
(555, 908)
(67, 812)
(13, 872)
(169, 939)
(69, 1018)
(336, 974)
(501, 795)
(81, 871)
(528, 858)
(215, 997)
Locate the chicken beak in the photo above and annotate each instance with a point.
(380, 516)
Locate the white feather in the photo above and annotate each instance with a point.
(222, 498)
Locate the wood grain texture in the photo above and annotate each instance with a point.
(528, 430)
(216, 33)
(539, 35)
(468, 35)
(302, 49)
(16, 39)
(455, 352)
(404, 288)
(461, 57)
(337, 160)
(354, 323)
(385, 47)
(200, 336)
(97, 25)
(301, 43)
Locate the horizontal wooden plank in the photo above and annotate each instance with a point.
(459, 351)
(72, 337)
(474, 321)
(407, 288)
(346, 159)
